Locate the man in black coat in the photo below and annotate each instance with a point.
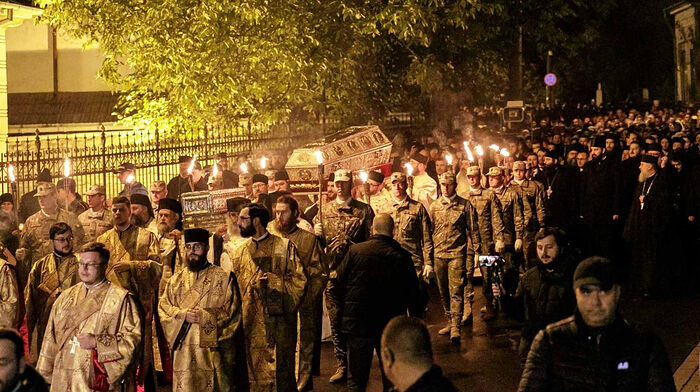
(560, 192)
(600, 200)
(376, 282)
(596, 349)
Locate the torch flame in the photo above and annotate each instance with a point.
(494, 147)
(66, 167)
(244, 168)
(504, 152)
(215, 170)
(470, 156)
(409, 168)
(364, 176)
(448, 158)
(130, 179)
(319, 156)
(263, 162)
(191, 166)
(11, 173)
(479, 150)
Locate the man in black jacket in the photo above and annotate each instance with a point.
(596, 349)
(376, 281)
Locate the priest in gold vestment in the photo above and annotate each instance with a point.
(49, 277)
(272, 282)
(9, 296)
(93, 332)
(200, 311)
(135, 266)
(312, 258)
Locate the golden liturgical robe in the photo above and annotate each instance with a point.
(270, 309)
(139, 251)
(203, 354)
(109, 313)
(9, 296)
(50, 276)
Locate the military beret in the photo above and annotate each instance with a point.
(170, 204)
(126, 166)
(375, 176)
(260, 178)
(197, 235)
(64, 183)
(331, 177)
(597, 271)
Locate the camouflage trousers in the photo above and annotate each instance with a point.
(339, 339)
(450, 276)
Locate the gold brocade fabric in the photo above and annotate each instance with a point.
(47, 280)
(9, 296)
(107, 312)
(270, 338)
(203, 360)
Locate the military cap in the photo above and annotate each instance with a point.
(184, 159)
(95, 190)
(597, 271)
(519, 165)
(235, 204)
(375, 176)
(599, 142)
(6, 197)
(45, 189)
(447, 178)
(398, 176)
(245, 179)
(281, 175)
(495, 171)
(197, 235)
(260, 178)
(140, 199)
(126, 166)
(343, 175)
(170, 204)
(650, 159)
(420, 158)
(158, 186)
(473, 171)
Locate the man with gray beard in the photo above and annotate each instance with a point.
(647, 228)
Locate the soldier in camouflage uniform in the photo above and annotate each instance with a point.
(510, 198)
(346, 221)
(533, 196)
(490, 223)
(413, 230)
(98, 219)
(452, 217)
(35, 242)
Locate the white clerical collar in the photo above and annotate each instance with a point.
(343, 202)
(262, 237)
(96, 285)
(451, 198)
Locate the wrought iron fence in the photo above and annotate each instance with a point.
(94, 156)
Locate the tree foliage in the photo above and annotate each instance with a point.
(183, 63)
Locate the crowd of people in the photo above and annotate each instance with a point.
(557, 219)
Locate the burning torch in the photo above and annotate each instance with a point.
(448, 159)
(364, 176)
(190, 168)
(409, 178)
(13, 189)
(66, 173)
(504, 154)
(129, 183)
(480, 153)
(263, 162)
(244, 168)
(470, 156)
(319, 160)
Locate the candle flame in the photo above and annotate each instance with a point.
(66, 167)
(319, 156)
(364, 176)
(244, 168)
(448, 158)
(479, 150)
(263, 162)
(11, 173)
(409, 168)
(191, 166)
(504, 152)
(21, 226)
(494, 147)
(130, 179)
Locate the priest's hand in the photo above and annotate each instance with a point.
(87, 341)
(194, 316)
(176, 234)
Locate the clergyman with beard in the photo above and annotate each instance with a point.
(560, 196)
(646, 229)
(200, 311)
(172, 248)
(142, 213)
(273, 281)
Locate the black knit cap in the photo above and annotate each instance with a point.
(6, 197)
(170, 204)
(196, 235)
(597, 271)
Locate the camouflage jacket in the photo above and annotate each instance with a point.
(413, 230)
(455, 223)
(488, 212)
(512, 213)
(533, 196)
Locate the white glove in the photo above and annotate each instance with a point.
(496, 290)
(427, 270)
(518, 245)
(500, 246)
(318, 229)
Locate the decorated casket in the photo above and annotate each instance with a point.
(207, 209)
(355, 148)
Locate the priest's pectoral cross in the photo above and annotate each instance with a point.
(73, 344)
(549, 192)
(641, 202)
